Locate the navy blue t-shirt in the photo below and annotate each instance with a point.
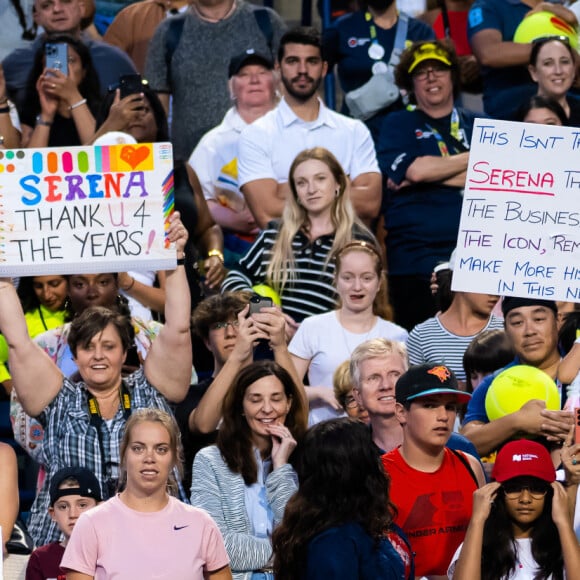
(421, 219)
(346, 44)
(504, 89)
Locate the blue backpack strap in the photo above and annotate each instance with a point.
(263, 20)
(173, 36)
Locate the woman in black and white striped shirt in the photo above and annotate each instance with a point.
(293, 255)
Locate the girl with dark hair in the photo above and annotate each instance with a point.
(245, 480)
(521, 527)
(339, 524)
(60, 106)
(124, 536)
(142, 116)
(553, 67)
(542, 110)
(43, 299)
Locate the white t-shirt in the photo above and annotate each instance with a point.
(526, 567)
(326, 343)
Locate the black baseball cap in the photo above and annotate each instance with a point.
(511, 302)
(249, 56)
(427, 380)
(88, 484)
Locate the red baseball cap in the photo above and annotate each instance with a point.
(523, 457)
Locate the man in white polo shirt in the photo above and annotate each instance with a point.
(301, 121)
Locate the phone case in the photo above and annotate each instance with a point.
(57, 56)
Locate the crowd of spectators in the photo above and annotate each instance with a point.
(137, 393)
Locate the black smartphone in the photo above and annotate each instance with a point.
(56, 54)
(257, 302)
(130, 85)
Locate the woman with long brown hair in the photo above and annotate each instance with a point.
(245, 480)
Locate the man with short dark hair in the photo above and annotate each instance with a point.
(63, 17)
(431, 485)
(301, 121)
(531, 326)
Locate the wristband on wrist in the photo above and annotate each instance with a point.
(41, 121)
(130, 285)
(181, 261)
(79, 104)
(217, 253)
(4, 110)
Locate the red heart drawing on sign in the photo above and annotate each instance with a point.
(134, 156)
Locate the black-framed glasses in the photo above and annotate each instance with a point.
(219, 325)
(514, 490)
(350, 403)
(436, 70)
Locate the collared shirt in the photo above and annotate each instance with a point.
(72, 440)
(215, 159)
(269, 145)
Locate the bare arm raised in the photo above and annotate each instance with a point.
(36, 379)
(168, 363)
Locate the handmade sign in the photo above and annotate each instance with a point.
(520, 224)
(85, 209)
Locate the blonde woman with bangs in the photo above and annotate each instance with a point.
(293, 256)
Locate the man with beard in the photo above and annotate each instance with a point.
(301, 121)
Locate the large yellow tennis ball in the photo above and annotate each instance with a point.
(268, 292)
(541, 24)
(515, 386)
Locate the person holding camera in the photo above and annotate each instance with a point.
(224, 324)
(61, 103)
(423, 153)
(293, 256)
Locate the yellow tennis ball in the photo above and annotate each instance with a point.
(541, 24)
(515, 386)
(268, 292)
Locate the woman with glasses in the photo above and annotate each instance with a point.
(60, 105)
(521, 526)
(553, 67)
(423, 153)
(342, 385)
(293, 256)
(324, 341)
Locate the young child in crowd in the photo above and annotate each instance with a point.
(73, 490)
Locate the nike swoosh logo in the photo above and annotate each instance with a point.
(180, 527)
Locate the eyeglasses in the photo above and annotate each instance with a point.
(515, 490)
(219, 325)
(436, 71)
(350, 403)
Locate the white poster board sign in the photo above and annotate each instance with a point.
(85, 209)
(519, 233)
